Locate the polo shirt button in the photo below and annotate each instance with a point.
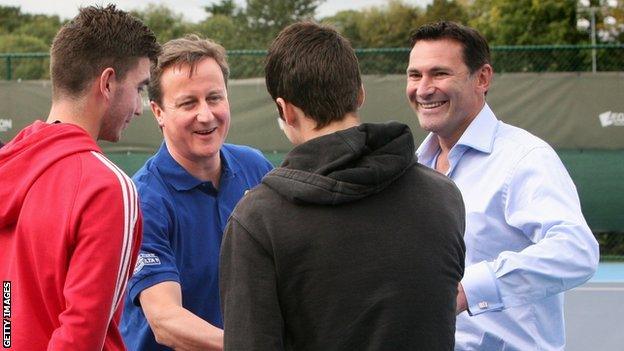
(483, 305)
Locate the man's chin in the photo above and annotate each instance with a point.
(112, 138)
(428, 124)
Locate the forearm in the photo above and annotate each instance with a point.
(178, 328)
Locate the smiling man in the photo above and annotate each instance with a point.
(526, 238)
(187, 191)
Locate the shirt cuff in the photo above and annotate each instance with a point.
(149, 281)
(479, 285)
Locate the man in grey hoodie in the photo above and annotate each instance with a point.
(350, 244)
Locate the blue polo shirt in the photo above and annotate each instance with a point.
(183, 222)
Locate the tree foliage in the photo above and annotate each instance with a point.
(25, 68)
(226, 8)
(165, 23)
(374, 27)
(255, 24)
(526, 22)
(609, 17)
(447, 10)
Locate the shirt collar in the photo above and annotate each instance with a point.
(481, 132)
(180, 178)
(479, 135)
(428, 149)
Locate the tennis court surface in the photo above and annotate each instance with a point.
(594, 312)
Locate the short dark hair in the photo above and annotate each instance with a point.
(315, 68)
(188, 50)
(97, 38)
(476, 51)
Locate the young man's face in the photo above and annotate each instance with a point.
(440, 88)
(126, 101)
(195, 112)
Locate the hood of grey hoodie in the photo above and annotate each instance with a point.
(344, 166)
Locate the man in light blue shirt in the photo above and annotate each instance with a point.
(526, 239)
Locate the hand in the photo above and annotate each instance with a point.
(462, 303)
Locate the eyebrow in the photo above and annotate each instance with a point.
(432, 69)
(412, 70)
(145, 82)
(182, 98)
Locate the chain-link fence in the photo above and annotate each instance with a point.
(250, 63)
(611, 246)
(34, 65)
(505, 59)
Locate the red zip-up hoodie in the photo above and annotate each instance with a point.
(70, 230)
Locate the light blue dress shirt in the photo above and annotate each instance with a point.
(526, 239)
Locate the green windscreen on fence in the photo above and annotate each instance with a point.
(580, 114)
(568, 110)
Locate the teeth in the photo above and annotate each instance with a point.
(431, 104)
(203, 132)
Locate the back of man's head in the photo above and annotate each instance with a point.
(314, 68)
(476, 51)
(97, 38)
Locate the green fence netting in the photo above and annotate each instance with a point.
(249, 63)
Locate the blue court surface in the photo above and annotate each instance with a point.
(594, 312)
(609, 272)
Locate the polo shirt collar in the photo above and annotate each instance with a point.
(180, 178)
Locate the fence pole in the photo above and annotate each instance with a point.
(9, 69)
(593, 37)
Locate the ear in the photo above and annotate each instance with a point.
(158, 113)
(106, 81)
(484, 78)
(289, 112)
(361, 96)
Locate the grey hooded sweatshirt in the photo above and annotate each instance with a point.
(349, 245)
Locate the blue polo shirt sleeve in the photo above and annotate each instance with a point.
(156, 262)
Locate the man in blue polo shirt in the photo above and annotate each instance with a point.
(187, 192)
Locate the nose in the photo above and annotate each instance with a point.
(138, 110)
(425, 87)
(204, 114)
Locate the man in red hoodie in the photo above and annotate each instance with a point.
(70, 225)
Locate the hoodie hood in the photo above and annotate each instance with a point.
(29, 154)
(344, 166)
